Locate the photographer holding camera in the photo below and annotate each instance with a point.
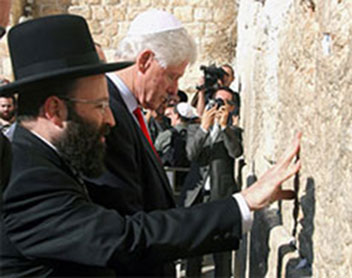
(214, 145)
(213, 78)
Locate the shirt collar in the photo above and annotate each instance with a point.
(126, 94)
(45, 141)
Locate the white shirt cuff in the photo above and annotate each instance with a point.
(204, 130)
(247, 217)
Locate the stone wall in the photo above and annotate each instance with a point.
(294, 58)
(212, 24)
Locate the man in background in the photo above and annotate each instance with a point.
(229, 77)
(171, 144)
(214, 145)
(7, 112)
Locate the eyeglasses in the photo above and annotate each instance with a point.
(100, 104)
(2, 31)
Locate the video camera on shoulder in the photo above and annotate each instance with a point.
(212, 76)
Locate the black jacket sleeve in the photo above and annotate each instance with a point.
(48, 216)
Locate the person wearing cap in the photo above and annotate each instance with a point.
(161, 48)
(147, 85)
(49, 225)
(180, 115)
(171, 144)
(214, 145)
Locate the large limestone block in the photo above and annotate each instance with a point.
(184, 14)
(84, 11)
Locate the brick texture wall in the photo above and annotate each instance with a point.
(213, 25)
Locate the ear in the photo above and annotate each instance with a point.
(55, 110)
(144, 60)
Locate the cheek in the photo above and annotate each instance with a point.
(157, 89)
(93, 116)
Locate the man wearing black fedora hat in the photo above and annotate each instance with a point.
(49, 225)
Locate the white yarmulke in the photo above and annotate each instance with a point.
(186, 110)
(153, 21)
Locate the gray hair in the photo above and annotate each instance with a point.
(171, 48)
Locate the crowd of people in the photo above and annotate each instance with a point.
(86, 193)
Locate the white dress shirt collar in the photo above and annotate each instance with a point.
(127, 96)
(45, 141)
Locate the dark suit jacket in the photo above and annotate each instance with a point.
(215, 159)
(135, 179)
(51, 228)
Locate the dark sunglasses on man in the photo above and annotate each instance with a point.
(2, 31)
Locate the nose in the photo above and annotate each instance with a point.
(109, 117)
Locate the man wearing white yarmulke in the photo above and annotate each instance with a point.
(135, 182)
(161, 48)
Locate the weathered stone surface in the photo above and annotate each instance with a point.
(133, 12)
(111, 29)
(203, 14)
(294, 61)
(196, 29)
(117, 14)
(51, 10)
(94, 2)
(178, 3)
(111, 2)
(95, 27)
(184, 14)
(84, 11)
(99, 13)
(109, 21)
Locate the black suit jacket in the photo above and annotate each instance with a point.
(51, 228)
(135, 179)
(215, 159)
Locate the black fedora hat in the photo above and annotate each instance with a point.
(53, 47)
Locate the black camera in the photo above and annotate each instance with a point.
(215, 102)
(212, 74)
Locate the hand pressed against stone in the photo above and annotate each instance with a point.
(268, 188)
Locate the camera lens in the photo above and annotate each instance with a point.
(219, 102)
